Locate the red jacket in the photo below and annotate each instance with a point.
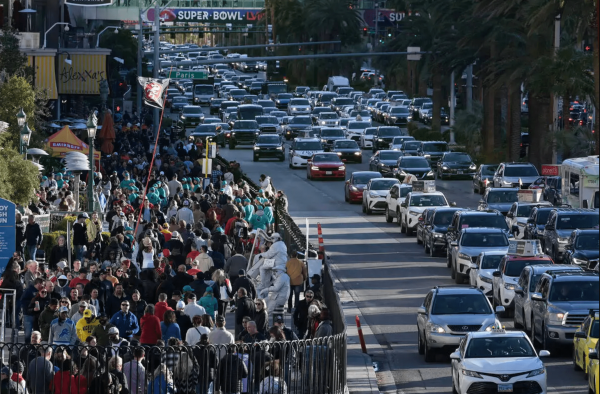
(159, 310)
(150, 326)
(65, 383)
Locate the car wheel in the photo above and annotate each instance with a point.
(440, 175)
(231, 145)
(431, 249)
(408, 230)
(515, 322)
(360, 161)
(402, 228)
(576, 366)
(364, 209)
(532, 332)
(426, 246)
(458, 277)
(290, 165)
(346, 197)
(419, 241)
(420, 346)
(398, 218)
(429, 354)
(388, 217)
(223, 144)
(452, 270)
(448, 259)
(308, 175)
(368, 210)
(282, 158)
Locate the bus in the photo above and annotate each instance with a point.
(580, 182)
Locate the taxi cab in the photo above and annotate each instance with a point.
(585, 341)
(593, 377)
(498, 361)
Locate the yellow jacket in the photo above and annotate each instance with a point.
(297, 271)
(84, 329)
(92, 230)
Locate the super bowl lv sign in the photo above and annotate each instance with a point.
(206, 15)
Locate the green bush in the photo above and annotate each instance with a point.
(62, 225)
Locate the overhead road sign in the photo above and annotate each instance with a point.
(182, 74)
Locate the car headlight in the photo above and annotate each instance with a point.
(342, 168)
(580, 261)
(373, 195)
(536, 372)
(438, 235)
(339, 153)
(445, 168)
(414, 213)
(464, 256)
(427, 156)
(472, 167)
(485, 279)
(314, 168)
(233, 133)
(490, 327)
(380, 139)
(430, 173)
(471, 374)
(437, 329)
(182, 117)
(353, 188)
(556, 317)
(322, 122)
(357, 153)
(563, 240)
(509, 286)
(280, 147)
(257, 133)
(323, 140)
(256, 147)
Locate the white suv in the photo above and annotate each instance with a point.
(299, 106)
(366, 139)
(414, 205)
(303, 149)
(374, 195)
(395, 197)
(356, 128)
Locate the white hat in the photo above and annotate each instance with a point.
(162, 173)
(275, 236)
(63, 309)
(113, 331)
(62, 265)
(186, 203)
(180, 304)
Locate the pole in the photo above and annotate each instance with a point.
(139, 64)
(156, 61)
(555, 97)
(90, 185)
(452, 104)
(376, 40)
(470, 87)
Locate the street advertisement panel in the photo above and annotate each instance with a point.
(7, 232)
(208, 15)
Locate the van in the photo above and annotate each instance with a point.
(580, 182)
(337, 82)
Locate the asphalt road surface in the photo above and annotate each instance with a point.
(386, 272)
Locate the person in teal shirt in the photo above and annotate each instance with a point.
(59, 180)
(126, 180)
(248, 210)
(258, 220)
(153, 196)
(209, 303)
(269, 215)
(186, 184)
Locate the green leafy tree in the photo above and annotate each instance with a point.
(16, 93)
(12, 60)
(18, 178)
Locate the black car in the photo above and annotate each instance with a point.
(433, 151)
(553, 190)
(269, 145)
(243, 132)
(424, 221)
(434, 235)
(329, 135)
(384, 136)
(583, 249)
(215, 105)
(499, 198)
(417, 166)
(295, 125)
(191, 116)
(398, 116)
(410, 148)
(484, 173)
(455, 164)
(385, 162)
(301, 91)
(178, 103)
(267, 124)
(317, 111)
(214, 133)
(347, 150)
(536, 223)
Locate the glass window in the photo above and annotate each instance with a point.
(411, 145)
(514, 267)
(524, 211)
(313, 145)
(383, 184)
(595, 328)
(499, 347)
(457, 304)
(435, 147)
(416, 162)
(574, 184)
(332, 133)
(404, 191)
(390, 155)
(443, 218)
(363, 179)
(488, 170)
(428, 201)
(326, 158)
(542, 215)
(491, 262)
(502, 196)
(192, 110)
(579, 290)
(484, 239)
(269, 139)
(534, 281)
(518, 171)
(346, 145)
(389, 132)
(457, 158)
(359, 125)
(588, 242)
(575, 221)
(300, 120)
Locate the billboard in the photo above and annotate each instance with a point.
(83, 75)
(7, 232)
(209, 15)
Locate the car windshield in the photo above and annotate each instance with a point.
(588, 242)
(399, 111)
(192, 110)
(461, 304)
(405, 190)
(245, 124)
(206, 128)
(237, 92)
(370, 131)
(488, 170)
(579, 290)
(329, 115)
(299, 102)
(178, 100)
(458, 158)
(276, 88)
(483, 220)
(284, 96)
(359, 125)
(428, 201)
(443, 218)
(300, 121)
(542, 216)
(490, 262)
(411, 145)
(516, 171)
(439, 147)
(268, 139)
(343, 101)
(383, 184)
(266, 120)
(326, 158)
(363, 179)
(319, 110)
(416, 162)
(332, 133)
(514, 267)
(524, 211)
(502, 196)
(346, 145)
(203, 89)
(390, 155)
(484, 239)
(266, 104)
(312, 145)
(595, 328)
(572, 222)
(389, 132)
(499, 347)
(401, 140)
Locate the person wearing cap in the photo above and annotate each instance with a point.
(281, 201)
(81, 307)
(46, 318)
(62, 329)
(80, 235)
(7, 385)
(125, 321)
(85, 326)
(58, 252)
(192, 308)
(316, 286)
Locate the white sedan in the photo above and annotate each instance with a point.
(498, 362)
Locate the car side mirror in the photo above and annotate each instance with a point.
(581, 335)
(593, 355)
(403, 205)
(421, 310)
(452, 204)
(515, 229)
(497, 274)
(545, 353)
(500, 309)
(519, 291)
(585, 204)
(537, 297)
(348, 181)
(455, 356)
(530, 221)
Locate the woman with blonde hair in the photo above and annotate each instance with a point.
(314, 314)
(221, 290)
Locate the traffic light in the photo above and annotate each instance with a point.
(365, 31)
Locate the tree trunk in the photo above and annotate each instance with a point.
(540, 133)
(423, 84)
(513, 122)
(487, 133)
(437, 101)
(566, 112)
(596, 126)
(499, 94)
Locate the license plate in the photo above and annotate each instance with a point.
(328, 172)
(505, 388)
(459, 172)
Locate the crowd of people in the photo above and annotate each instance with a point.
(146, 311)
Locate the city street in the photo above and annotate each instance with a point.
(387, 273)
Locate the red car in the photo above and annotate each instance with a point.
(353, 190)
(325, 165)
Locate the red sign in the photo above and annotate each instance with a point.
(550, 170)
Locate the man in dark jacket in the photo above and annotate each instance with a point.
(80, 235)
(113, 303)
(199, 285)
(182, 278)
(33, 237)
(242, 282)
(28, 294)
(231, 372)
(301, 313)
(244, 307)
(19, 233)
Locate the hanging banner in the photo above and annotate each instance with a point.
(233, 15)
(89, 3)
(7, 232)
(154, 90)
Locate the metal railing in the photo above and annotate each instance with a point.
(293, 367)
(8, 325)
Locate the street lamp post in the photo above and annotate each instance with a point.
(25, 133)
(92, 128)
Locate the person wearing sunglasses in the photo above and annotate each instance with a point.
(125, 321)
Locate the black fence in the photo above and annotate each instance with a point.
(294, 367)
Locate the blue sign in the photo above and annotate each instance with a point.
(7, 232)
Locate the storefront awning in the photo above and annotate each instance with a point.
(45, 74)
